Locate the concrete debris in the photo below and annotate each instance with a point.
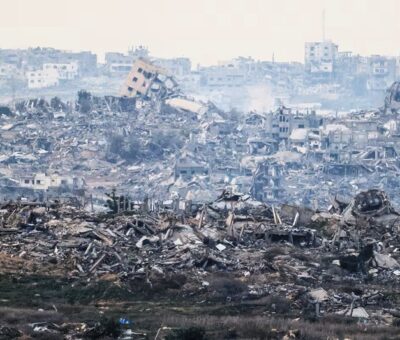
(220, 247)
(358, 312)
(319, 295)
(234, 234)
(156, 190)
(385, 261)
(187, 105)
(174, 148)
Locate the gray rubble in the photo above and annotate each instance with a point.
(298, 259)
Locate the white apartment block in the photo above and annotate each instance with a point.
(42, 181)
(42, 78)
(67, 71)
(320, 56)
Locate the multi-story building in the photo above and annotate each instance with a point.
(178, 67)
(320, 57)
(87, 61)
(34, 58)
(42, 181)
(117, 63)
(42, 78)
(65, 71)
(190, 82)
(382, 72)
(222, 76)
(146, 79)
(283, 121)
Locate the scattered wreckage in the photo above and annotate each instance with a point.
(298, 253)
(291, 253)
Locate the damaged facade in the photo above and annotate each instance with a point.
(147, 80)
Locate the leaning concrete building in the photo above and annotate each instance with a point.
(147, 80)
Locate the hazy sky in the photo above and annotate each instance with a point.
(204, 30)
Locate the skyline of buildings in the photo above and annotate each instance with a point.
(328, 75)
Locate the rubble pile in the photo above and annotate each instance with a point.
(166, 145)
(304, 261)
(133, 242)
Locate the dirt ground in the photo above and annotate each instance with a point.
(168, 308)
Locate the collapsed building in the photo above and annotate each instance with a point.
(148, 80)
(159, 143)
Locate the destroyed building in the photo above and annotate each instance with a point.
(392, 100)
(186, 167)
(147, 80)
